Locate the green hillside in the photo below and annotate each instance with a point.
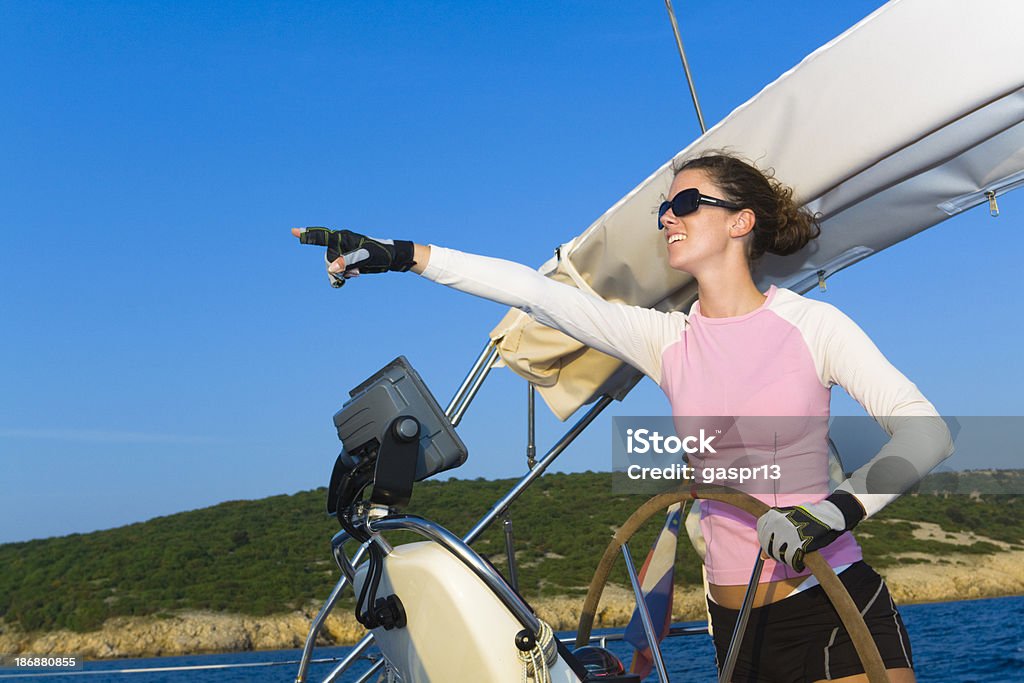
(273, 555)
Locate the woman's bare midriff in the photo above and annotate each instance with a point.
(731, 597)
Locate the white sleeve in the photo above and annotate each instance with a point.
(632, 334)
(920, 438)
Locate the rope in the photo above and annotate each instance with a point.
(834, 589)
(537, 661)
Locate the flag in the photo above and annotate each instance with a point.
(656, 582)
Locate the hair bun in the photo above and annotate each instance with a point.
(795, 226)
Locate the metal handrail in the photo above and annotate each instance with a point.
(461, 550)
(453, 544)
(337, 542)
(355, 654)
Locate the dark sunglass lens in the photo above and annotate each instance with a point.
(686, 202)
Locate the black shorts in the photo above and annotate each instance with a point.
(801, 638)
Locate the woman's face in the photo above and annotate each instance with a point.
(701, 239)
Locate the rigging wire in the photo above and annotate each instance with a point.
(686, 65)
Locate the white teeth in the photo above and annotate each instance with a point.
(678, 237)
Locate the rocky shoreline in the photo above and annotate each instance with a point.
(921, 579)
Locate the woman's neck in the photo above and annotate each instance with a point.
(728, 296)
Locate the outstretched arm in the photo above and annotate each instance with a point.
(632, 334)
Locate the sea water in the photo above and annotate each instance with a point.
(979, 641)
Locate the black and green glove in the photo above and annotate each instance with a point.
(787, 534)
(362, 254)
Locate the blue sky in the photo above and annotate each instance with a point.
(164, 342)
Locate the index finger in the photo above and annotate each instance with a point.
(315, 235)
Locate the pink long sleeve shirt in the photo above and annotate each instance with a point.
(779, 360)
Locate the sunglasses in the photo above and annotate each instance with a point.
(689, 200)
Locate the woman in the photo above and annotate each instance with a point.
(739, 352)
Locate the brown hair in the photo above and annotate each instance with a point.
(781, 227)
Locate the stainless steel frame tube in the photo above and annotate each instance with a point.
(456, 417)
(542, 465)
(460, 392)
(645, 616)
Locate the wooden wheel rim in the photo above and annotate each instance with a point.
(851, 617)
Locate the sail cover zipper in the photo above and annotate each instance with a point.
(986, 194)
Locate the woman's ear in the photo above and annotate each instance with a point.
(743, 223)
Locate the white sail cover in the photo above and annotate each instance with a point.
(906, 119)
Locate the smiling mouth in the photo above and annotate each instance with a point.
(678, 237)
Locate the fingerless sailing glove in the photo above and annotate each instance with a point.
(362, 254)
(787, 534)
